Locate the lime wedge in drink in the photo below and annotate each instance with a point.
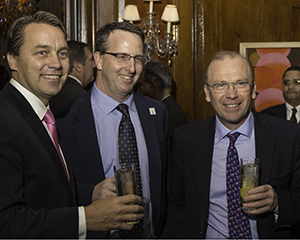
(244, 192)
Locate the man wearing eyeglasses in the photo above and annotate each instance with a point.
(290, 110)
(90, 130)
(205, 189)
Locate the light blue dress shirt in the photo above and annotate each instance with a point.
(245, 145)
(107, 120)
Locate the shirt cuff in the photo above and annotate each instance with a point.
(81, 223)
(276, 214)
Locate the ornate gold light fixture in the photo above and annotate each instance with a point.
(10, 10)
(164, 47)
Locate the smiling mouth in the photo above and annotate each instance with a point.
(51, 76)
(126, 77)
(231, 105)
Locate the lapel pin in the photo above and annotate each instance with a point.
(152, 111)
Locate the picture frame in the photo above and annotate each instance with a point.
(270, 60)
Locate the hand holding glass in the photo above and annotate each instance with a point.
(249, 170)
(125, 178)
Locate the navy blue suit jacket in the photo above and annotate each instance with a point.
(277, 145)
(78, 133)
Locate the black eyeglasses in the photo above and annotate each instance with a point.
(124, 57)
(289, 82)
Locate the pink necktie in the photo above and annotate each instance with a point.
(49, 119)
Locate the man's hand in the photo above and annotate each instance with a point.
(265, 200)
(104, 189)
(114, 213)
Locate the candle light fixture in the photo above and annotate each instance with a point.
(10, 10)
(166, 46)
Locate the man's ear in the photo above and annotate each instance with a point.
(77, 66)
(206, 91)
(12, 62)
(98, 60)
(152, 85)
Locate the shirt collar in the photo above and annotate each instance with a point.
(76, 79)
(37, 105)
(110, 104)
(290, 107)
(245, 129)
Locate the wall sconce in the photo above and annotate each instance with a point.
(131, 13)
(10, 10)
(164, 47)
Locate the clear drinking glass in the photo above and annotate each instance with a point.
(249, 170)
(125, 178)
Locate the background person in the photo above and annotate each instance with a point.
(81, 73)
(156, 82)
(37, 185)
(200, 203)
(290, 110)
(90, 129)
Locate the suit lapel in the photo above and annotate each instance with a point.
(264, 143)
(85, 134)
(38, 128)
(203, 148)
(154, 159)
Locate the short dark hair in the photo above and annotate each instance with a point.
(104, 32)
(292, 68)
(222, 55)
(77, 53)
(158, 72)
(15, 35)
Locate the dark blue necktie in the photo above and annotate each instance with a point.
(128, 153)
(238, 223)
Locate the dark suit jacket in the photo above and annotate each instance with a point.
(177, 117)
(35, 194)
(277, 147)
(277, 111)
(78, 133)
(61, 103)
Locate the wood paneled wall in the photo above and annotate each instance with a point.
(206, 26)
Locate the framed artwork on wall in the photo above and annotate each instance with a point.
(270, 60)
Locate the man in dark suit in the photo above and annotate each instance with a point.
(90, 129)
(156, 82)
(37, 185)
(81, 73)
(290, 110)
(199, 201)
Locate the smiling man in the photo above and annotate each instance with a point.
(90, 130)
(204, 197)
(290, 110)
(37, 185)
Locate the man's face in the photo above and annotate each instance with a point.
(291, 92)
(117, 79)
(88, 68)
(232, 107)
(43, 63)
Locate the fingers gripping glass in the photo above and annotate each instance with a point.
(240, 86)
(289, 82)
(123, 57)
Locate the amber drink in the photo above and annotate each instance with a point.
(125, 178)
